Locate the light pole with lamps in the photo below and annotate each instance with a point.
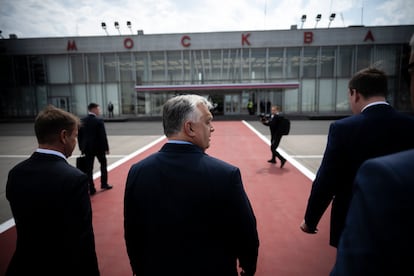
(303, 19)
(129, 25)
(331, 18)
(318, 18)
(103, 24)
(117, 27)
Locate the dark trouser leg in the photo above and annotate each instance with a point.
(104, 172)
(89, 169)
(274, 146)
(278, 155)
(273, 150)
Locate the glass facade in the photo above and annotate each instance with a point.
(71, 81)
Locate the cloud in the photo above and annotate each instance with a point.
(48, 18)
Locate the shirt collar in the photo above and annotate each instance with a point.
(53, 152)
(374, 103)
(179, 142)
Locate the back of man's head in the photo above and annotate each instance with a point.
(369, 82)
(179, 109)
(92, 106)
(51, 121)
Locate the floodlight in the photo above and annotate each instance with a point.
(331, 18)
(303, 19)
(129, 25)
(117, 27)
(103, 25)
(318, 18)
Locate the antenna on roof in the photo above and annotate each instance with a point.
(362, 12)
(343, 21)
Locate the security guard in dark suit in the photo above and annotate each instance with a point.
(93, 142)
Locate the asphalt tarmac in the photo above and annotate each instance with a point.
(304, 147)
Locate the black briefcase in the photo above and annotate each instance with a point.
(81, 163)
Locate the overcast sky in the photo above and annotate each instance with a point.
(47, 18)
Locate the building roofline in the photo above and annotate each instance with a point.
(209, 87)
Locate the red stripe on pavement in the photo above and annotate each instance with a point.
(278, 197)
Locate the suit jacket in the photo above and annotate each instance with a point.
(274, 124)
(378, 237)
(92, 135)
(187, 213)
(377, 131)
(51, 207)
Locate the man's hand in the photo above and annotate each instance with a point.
(305, 228)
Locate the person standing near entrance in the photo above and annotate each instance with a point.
(274, 124)
(93, 142)
(250, 107)
(110, 110)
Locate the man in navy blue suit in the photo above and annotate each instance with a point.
(50, 204)
(93, 142)
(377, 238)
(187, 213)
(376, 129)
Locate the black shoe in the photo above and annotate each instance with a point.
(106, 187)
(272, 161)
(92, 191)
(282, 163)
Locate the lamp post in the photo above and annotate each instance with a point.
(103, 24)
(303, 19)
(129, 25)
(331, 18)
(318, 18)
(117, 27)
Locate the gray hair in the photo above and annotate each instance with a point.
(179, 109)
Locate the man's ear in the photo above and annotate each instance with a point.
(357, 96)
(63, 136)
(188, 128)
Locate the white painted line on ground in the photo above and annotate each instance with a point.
(6, 225)
(10, 223)
(73, 156)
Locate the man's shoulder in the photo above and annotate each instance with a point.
(398, 159)
(214, 161)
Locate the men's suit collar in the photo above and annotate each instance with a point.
(384, 106)
(374, 104)
(42, 155)
(170, 147)
(52, 152)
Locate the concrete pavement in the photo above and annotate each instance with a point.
(305, 145)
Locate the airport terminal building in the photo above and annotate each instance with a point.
(305, 71)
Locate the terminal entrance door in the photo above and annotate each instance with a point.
(231, 104)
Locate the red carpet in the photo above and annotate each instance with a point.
(278, 197)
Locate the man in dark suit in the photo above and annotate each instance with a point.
(50, 204)
(93, 142)
(378, 238)
(274, 124)
(375, 130)
(185, 212)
